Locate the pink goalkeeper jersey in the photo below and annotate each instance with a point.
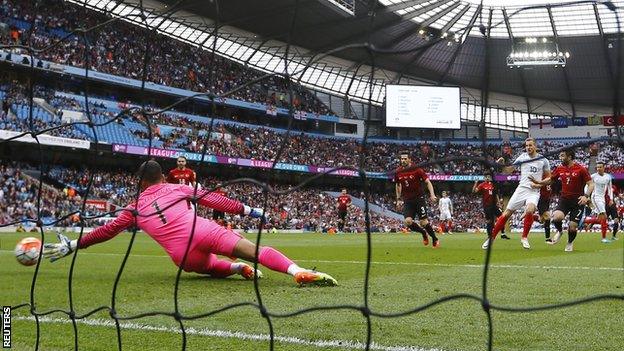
(167, 216)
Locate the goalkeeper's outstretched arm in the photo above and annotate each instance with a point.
(64, 247)
(223, 204)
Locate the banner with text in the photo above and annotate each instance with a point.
(45, 139)
(164, 153)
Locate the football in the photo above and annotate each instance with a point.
(27, 251)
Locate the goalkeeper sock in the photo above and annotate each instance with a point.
(616, 226)
(547, 228)
(430, 231)
(274, 260)
(219, 268)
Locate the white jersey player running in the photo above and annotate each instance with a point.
(602, 187)
(445, 205)
(532, 166)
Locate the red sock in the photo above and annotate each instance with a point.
(528, 222)
(603, 227)
(500, 225)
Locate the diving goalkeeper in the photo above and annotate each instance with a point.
(165, 213)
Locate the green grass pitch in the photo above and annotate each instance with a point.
(404, 275)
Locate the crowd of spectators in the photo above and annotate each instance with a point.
(308, 209)
(260, 143)
(118, 48)
(15, 97)
(19, 194)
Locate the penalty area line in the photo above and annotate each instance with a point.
(339, 344)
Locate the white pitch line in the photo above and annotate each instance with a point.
(390, 263)
(473, 265)
(341, 344)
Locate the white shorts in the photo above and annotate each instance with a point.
(599, 204)
(445, 215)
(523, 196)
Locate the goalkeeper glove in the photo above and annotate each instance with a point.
(61, 249)
(254, 212)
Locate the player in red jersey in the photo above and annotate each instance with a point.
(410, 196)
(490, 203)
(344, 200)
(181, 174)
(573, 178)
(543, 209)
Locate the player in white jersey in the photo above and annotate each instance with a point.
(532, 166)
(445, 205)
(602, 188)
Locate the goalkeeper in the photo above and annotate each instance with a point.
(165, 213)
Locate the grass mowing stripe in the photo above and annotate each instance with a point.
(510, 266)
(340, 344)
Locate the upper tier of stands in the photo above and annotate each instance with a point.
(182, 131)
(118, 49)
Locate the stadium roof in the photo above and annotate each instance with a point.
(255, 33)
(455, 15)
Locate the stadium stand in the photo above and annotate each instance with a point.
(44, 185)
(118, 48)
(183, 131)
(308, 209)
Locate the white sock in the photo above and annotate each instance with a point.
(294, 269)
(237, 267)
